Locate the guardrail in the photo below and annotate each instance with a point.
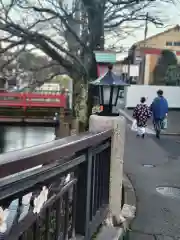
(58, 190)
(29, 100)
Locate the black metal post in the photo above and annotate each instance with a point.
(89, 194)
(84, 196)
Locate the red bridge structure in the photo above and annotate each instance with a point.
(30, 100)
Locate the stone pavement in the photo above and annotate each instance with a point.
(173, 121)
(157, 216)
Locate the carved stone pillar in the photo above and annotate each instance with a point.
(101, 123)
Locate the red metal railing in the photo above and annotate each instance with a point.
(28, 100)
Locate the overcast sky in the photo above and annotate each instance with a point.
(171, 15)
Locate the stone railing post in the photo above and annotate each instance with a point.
(100, 123)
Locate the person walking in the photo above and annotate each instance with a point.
(141, 114)
(159, 108)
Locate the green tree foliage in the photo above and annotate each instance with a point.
(172, 76)
(167, 60)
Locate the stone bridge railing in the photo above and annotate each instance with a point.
(62, 189)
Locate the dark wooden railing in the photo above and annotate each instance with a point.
(56, 191)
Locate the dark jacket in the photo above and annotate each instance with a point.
(159, 108)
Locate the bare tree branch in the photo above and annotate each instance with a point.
(69, 34)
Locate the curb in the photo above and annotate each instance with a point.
(170, 134)
(119, 233)
(149, 130)
(129, 199)
(129, 192)
(126, 115)
(110, 233)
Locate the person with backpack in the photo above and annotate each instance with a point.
(159, 108)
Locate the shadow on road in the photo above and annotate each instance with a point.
(170, 144)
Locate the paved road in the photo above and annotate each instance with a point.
(158, 217)
(173, 121)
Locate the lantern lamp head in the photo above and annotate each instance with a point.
(108, 88)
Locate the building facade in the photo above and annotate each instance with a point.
(147, 53)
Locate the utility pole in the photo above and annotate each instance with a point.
(143, 63)
(146, 29)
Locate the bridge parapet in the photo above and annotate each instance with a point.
(57, 190)
(30, 100)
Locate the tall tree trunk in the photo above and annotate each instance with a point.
(80, 95)
(80, 86)
(93, 68)
(96, 26)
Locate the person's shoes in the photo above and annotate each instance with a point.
(157, 136)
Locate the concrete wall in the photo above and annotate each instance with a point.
(135, 92)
